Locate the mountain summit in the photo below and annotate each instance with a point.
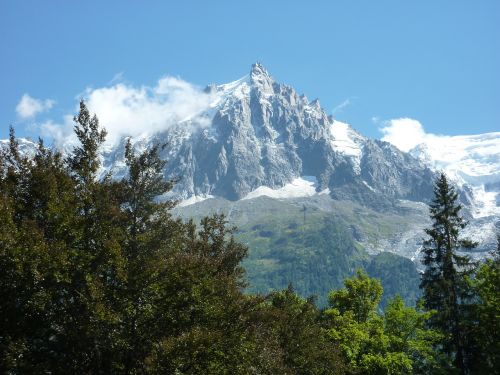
(263, 134)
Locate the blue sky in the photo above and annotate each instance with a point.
(367, 61)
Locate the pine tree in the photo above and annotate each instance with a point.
(445, 281)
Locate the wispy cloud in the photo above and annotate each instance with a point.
(118, 77)
(340, 107)
(127, 110)
(29, 107)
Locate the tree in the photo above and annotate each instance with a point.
(304, 344)
(446, 279)
(397, 342)
(487, 287)
(360, 296)
(355, 325)
(406, 328)
(98, 277)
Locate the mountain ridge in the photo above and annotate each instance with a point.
(263, 134)
(260, 137)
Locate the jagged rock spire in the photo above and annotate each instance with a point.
(260, 78)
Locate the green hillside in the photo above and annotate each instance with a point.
(314, 244)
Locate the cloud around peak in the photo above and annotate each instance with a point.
(28, 107)
(405, 133)
(128, 110)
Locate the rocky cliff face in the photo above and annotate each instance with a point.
(262, 133)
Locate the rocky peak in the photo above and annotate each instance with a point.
(260, 78)
(316, 104)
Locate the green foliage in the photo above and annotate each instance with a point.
(487, 287)
(305, 345)
(360, 296)
(409, 334)
(395, 343)
(398, 276)
(316, 257)
(98, 277)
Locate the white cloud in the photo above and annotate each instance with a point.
(62, 134)
(126, 110)
(405, 133)
(29, 107)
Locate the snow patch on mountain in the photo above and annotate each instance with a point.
(194, 199)
(26, 146)
(346, 141)
(238, 89)
(304, 186)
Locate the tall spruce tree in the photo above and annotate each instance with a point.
(445, 281)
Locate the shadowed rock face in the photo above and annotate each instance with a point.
(264, 134)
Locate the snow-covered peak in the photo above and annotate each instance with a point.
(472, 159)
(258, 71)
(26, 146)
(238, 89)
(316, 104)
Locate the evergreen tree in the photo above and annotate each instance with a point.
(446, 279)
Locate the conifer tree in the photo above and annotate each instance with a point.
(445, 281)
(92, 318)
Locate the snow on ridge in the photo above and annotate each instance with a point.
(194, 199)
(228, 87)
(237, 89)
(472, 159)
(346, 141)
(304, 186)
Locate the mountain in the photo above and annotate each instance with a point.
(313, 198)
(261, 138)
(263, 135)
(473, 163)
